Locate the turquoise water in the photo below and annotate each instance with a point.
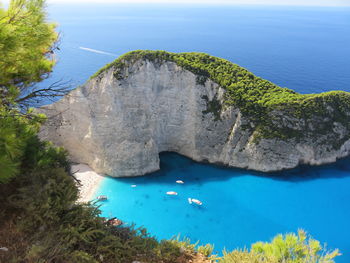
(239, 207)
(306, 49)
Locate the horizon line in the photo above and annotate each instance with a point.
(247, 3)
(211, 3)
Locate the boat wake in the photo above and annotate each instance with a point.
(98, 51)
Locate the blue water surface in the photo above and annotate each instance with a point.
(305, 49)
(239, 207)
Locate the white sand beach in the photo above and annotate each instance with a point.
(89, 180)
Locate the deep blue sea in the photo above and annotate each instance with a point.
(305, 49)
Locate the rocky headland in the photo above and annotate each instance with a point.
(203, 107)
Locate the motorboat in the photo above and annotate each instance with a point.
(196, 201)
(171, 193)
(180, 182)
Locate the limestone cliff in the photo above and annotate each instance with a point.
(149, 102)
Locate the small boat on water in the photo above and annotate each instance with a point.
(196, 201)
(171, 193)
(133, 185)
(180, 182)
(102, 197)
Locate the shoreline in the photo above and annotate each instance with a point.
(89, 182)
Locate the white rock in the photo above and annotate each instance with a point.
(119, 127)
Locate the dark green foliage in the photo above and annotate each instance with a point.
(214, 106)
(200, 80)
(168, 250)
(255, 97)
(16, 130)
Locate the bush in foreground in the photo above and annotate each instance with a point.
(289, 248)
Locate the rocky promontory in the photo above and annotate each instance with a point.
(203, 107)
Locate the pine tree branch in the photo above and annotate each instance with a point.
(35, 94)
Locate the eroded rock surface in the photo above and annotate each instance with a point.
(118, 125)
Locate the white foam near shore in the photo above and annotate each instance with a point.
(89, 180)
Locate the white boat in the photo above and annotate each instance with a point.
(171, 193)
(133, 185)
(180, 182)
(196, 201)
(102, 197)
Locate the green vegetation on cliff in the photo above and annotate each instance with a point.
(256, 98)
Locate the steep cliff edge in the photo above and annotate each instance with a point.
(200, 106)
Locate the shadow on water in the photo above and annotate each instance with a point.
(339, 169)
(172, 165)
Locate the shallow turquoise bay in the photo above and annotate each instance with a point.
(239, 207)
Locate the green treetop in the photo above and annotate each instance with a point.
(26, 47)
(27, 43)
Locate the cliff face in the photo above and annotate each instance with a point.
(119, 123)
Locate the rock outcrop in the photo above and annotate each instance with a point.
(122, 118)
